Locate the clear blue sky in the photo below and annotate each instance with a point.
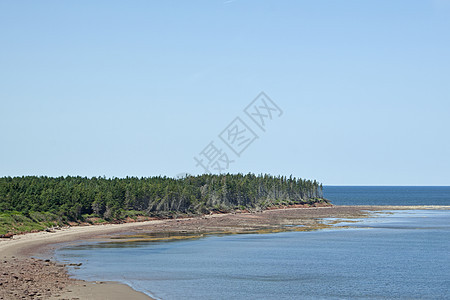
(139, 88)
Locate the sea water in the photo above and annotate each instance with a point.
(388, 195)
(395, 255)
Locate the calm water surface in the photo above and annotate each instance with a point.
(403, 255)
(388, 195)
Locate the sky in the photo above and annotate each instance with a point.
(140, 88)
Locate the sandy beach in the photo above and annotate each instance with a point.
(24, 276)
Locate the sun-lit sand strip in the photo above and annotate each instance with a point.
(21, 244)
(49, 280)
(17, 250)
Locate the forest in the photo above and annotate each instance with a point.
(48, 200)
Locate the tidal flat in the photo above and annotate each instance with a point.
(17, 253)
(395, 254)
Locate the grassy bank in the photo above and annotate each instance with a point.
(32, 203)
(17, 222)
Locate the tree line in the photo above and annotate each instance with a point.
(73, 197)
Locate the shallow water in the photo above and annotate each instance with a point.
(402, 255)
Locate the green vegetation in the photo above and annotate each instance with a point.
(15, 222)
(33, 203)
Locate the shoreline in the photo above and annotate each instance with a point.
(20, 266)
(30, 278)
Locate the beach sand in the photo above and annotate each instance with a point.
(23, 276)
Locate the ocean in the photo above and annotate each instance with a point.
(395, 255)
(388, 195)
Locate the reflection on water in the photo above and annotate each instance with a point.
(405, 219)
(134, 240)
(401, 254)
